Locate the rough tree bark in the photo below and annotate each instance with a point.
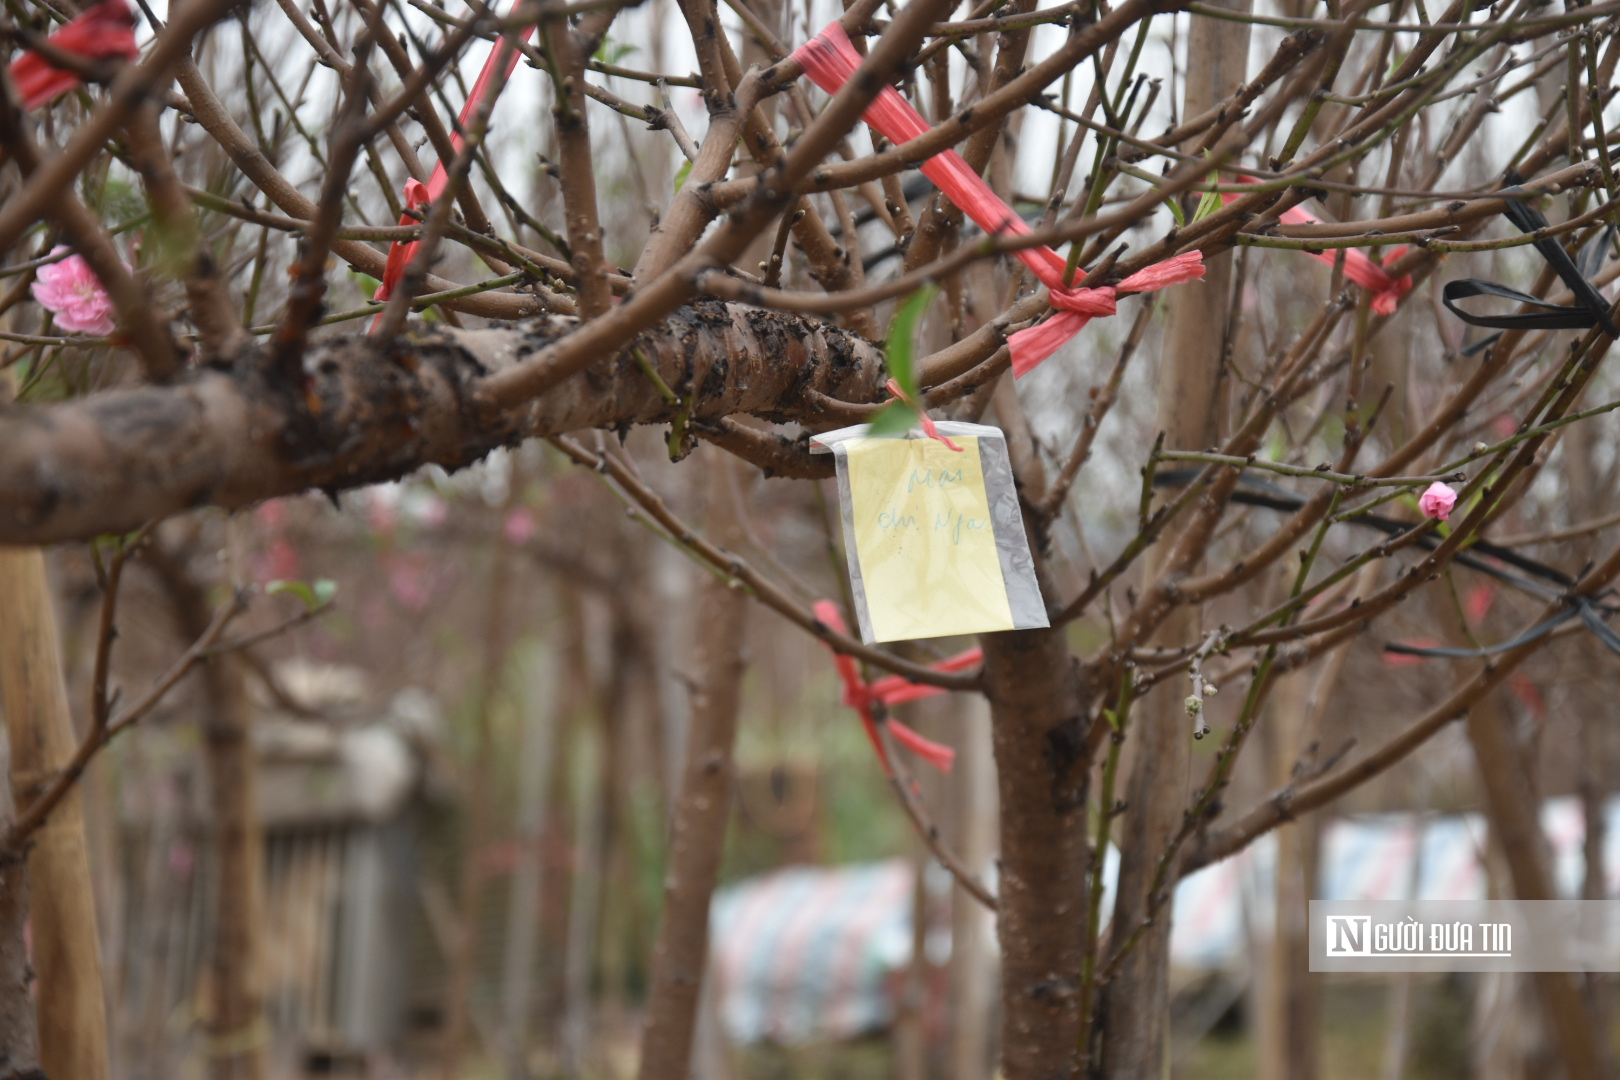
(111, 462)
(1039, 706)
(66, 941)
(702, 810)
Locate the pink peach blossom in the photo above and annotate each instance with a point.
(70, 290)
(1438, 500)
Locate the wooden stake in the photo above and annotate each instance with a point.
(66, 942)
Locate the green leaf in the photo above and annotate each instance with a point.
(297, 588)
(681, 174)
(895, 418)
(611, 52)
(312, 597)
(1211, 201)
(903, 328)
(1175, 211)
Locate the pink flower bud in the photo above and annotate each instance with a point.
(70, 290)
(1438, 501)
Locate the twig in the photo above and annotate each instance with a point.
(1320, 472)
(766, 591)
(905, 786)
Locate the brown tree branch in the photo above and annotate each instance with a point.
(110, 462)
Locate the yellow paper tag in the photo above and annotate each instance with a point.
(922, 529)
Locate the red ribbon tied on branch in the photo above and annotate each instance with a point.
(867, 697)
(829, 59)
(104, 32)
(1386, 290)
(419, 196)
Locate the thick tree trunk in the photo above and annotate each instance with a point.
(66, 941)
(702, 810)
(1039, 709)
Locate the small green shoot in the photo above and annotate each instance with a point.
(899, 417)
(1211, 200)
(313, 595)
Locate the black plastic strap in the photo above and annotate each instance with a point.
(1582, 606)
(1591, 310)
(1535, 633)
(1549, 317)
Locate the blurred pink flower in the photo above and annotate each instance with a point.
(70, 290)
(1478, 602)
(1438, 501)
(271, 513)
(281, 561)
(519, 527)
(410, 580)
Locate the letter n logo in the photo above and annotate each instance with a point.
(1349, 935)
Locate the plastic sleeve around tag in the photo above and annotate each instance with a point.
(928, 559)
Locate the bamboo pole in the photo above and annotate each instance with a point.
(71, 1007)
(973, 966)
(523, 913)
